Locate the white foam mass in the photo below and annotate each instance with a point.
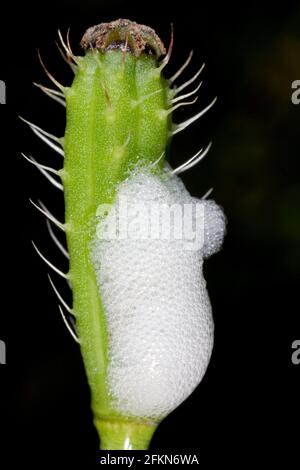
(155, 299)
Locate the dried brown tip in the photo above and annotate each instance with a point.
(125, 35)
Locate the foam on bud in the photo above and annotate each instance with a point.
(154, 294)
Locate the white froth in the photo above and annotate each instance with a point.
(155, 299)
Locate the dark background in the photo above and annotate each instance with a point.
(247, 406)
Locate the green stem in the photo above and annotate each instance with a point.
(126, 435)
(116, 116)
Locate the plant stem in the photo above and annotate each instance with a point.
(126, 435)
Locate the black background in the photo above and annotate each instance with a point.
(247, 406)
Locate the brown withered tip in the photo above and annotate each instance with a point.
(123, 34)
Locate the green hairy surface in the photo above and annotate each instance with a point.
(115, 118)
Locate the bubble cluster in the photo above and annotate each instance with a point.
(214, 228)
(154, 294)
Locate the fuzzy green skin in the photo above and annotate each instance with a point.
(112, 124)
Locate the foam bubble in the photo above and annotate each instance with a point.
(155, 299)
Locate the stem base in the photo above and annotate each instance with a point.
(124, 435)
